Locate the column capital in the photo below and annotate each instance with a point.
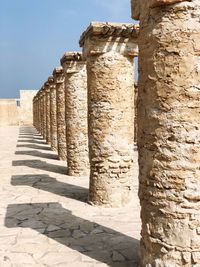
(138, 6)
(46, 86)
(58, 75)
(51, 82)
(103, 37)
(72, 62)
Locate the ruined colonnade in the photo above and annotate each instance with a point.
(168, 123)
(92, 111)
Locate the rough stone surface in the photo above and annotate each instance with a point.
(9, 112)
(43, 113)
(53, 115)
(48, 115)
(110, 72)
(35, 111)
(26, 106)
(76, 113)
(139, 6)
(44, 218)
(60, 105)
(41, 106)
(169, 134)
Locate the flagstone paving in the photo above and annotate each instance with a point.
(44, 216)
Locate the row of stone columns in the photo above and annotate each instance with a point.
(85, 111)
(168, 123)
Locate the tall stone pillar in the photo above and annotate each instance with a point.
(169, 131)
(41, 108)
(48, 117)
(109, 49)
(53, 115)
(34, 110)
(43, 114)
(76, 113)
(60, 104)
(37, 113)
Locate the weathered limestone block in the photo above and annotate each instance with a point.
(169, 134)
(60, 104)
(48, 117)
(135, 120)
(40, 111)
(35, 115)
(34, 111)
(37, 112)
(53, 115)
(109, 49)
(41, 95)
(43, 114)
(76, 113)
(26, 107)
(139, 6)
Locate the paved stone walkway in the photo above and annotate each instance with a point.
(44, 217)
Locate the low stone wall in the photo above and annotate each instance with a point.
(9, 112)
(17, 111)
(26, 106)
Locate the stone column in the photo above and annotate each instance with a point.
(60, 104)
(169, 131)
(43, 114)
(34, 111)
(48, 118)
(53, 115)
(37, 113)
(76, 113)
(109, 49)
(41, 109)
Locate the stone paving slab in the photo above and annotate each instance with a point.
(44, 216)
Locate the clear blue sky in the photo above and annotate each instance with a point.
(34, 34)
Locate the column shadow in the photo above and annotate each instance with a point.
(28, 130)
(41, 165)
(88, 238)
(33, 146)
(49, 184)
(33, 137)
(36, 153)
(34, 141)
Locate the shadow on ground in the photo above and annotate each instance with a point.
(36, 153)
(49, 184)
(32, 141)
(35, 146)
(89, 238)
(40, 165)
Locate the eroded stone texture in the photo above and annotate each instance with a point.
(40, 112)
(76, 113)
(139, 6)
(109, 49)
(43, 114)
(169, 134)
(53, 116)
(34, 112)
(48, 117)
(60, 105)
